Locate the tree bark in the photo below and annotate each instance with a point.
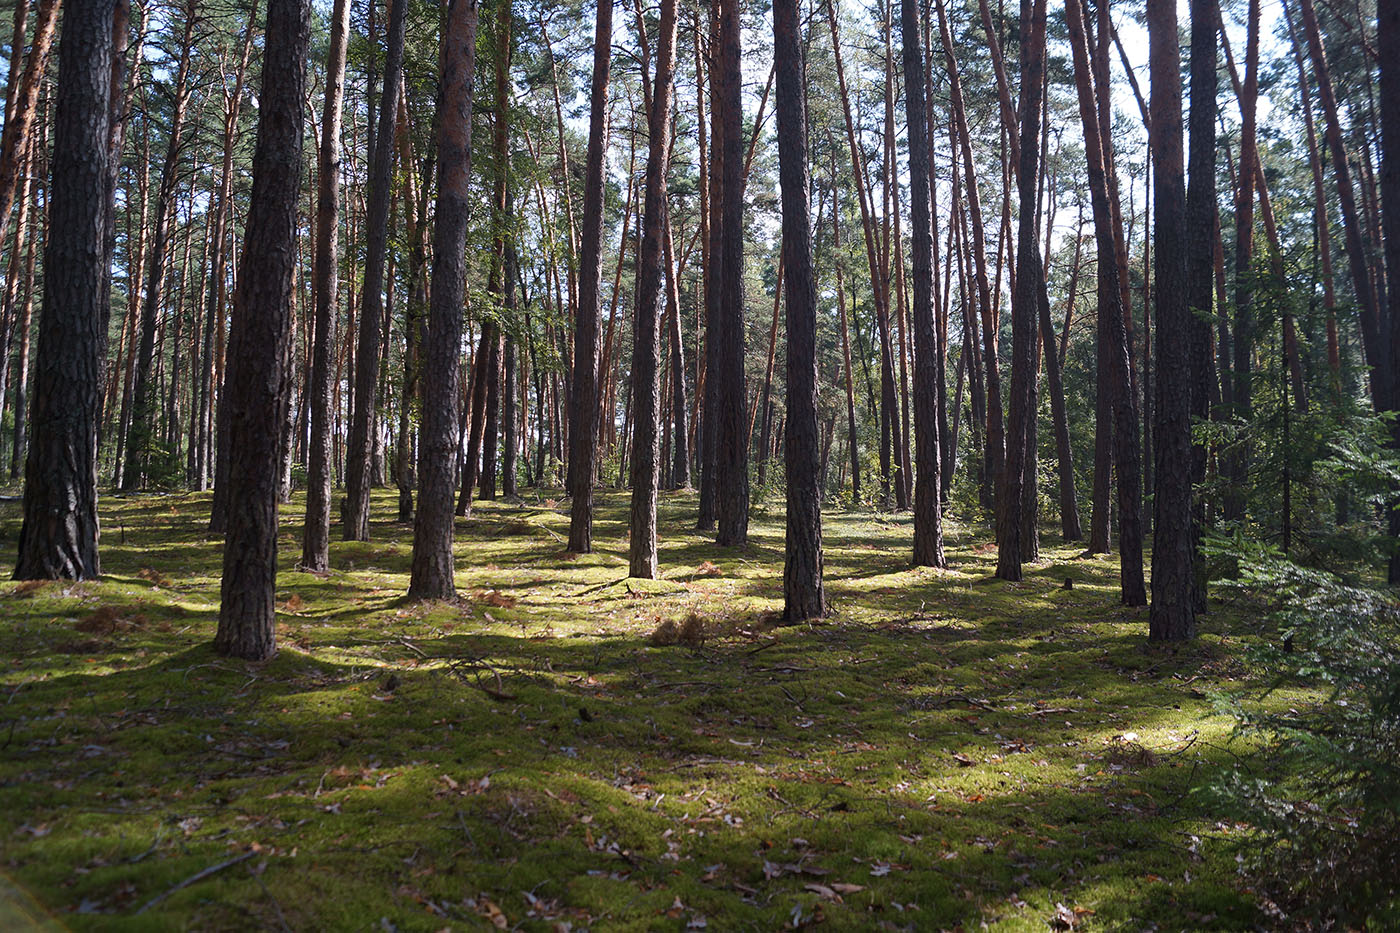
(1173, 612)
(1388, 31)
(432, 574)
(583, 404)
(256, 377)
(58, 537)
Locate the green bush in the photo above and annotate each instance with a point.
(1324, 793)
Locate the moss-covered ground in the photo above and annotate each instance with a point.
(945, 751)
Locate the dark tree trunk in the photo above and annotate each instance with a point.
(315, 548)
(646, 337)
(928, 512)
(583, 401)
(58, 538)
(1173, 613)
(803, 597)
(680, 450)
(1200, 251)
(359, 450)
(256, 381)
(1114, 362)
(491, 432)
(433, 566)
(1025, 304)
(1388, 30)
(476, 412)
(731, 447)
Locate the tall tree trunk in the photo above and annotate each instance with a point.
(680, 450)
(583, 404)
(1173, 612)
(646, 338)
(1112, 333)
(731, 452)
(433, 566)
(58, 537)
(1026, 300)
(803, 596)
(363, 427)
(19, 118)
(256, 377)
(1388, 31)
(928, 511)
(1199, 248)
(315, 552)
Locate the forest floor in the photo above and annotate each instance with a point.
(945, 751)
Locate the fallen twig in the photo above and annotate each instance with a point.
(195, 879)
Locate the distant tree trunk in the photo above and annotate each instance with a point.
(1026, 299)
(19, 118)
(476, 414)
(510, 390)
(1113, 338)
(433, 566)
(1173, 613)
(711, 182)
(995, 436)
(359, 451)
(852, 440)
(1388, 31)
(1200, 249)
(680, 451)
(928, 511)
(1372, 332)
(803, 596)
(646, 337)
(144, 395)
(731, 451)
(256, 378)
(583, 405)
(58, 537)
(315, 551)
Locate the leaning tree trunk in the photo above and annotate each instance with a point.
(928, 512)
(432, 570)
(1173, 612)
(1112, 331)
(646, 388)
(58, 538)
(256, 380)
(359, 450)
(583, 403)
(315, 550)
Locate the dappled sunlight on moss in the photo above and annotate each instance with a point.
(944, 750)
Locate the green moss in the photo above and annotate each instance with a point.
(944, 750)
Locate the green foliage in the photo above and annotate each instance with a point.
(1324, 792)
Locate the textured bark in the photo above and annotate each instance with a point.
(1200, 249)
(315, 550)
(1025, 300)
(1173, 612)
(803, 596)
(359, 450)
(928, 512)
(256, 376)
(646, 347)
(731, 452)
(1388, 30)
(19, 122)
(583, 405)
(432, 568)
(58, 537)
(1114, 372)
(995, 433)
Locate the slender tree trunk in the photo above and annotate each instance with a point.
(928, 511)
(646, 337)
(256, 377)
(315, 553)
(19, 118)
(432, 575)
(1388, 31)
(1113, 340)
(583, 405)
(680, 449)
(58, 537)
(363, 421)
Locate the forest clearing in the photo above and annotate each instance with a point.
(945, 749)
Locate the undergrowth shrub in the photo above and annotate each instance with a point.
(1323, 794)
